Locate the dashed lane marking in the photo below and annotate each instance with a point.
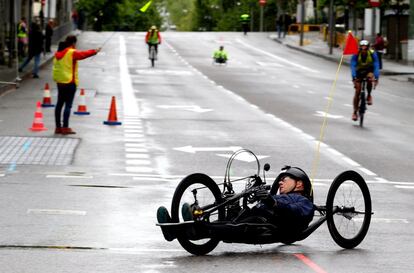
(69, 176)
(137, 162)
(56, 212)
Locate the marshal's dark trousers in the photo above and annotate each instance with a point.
(66, 94)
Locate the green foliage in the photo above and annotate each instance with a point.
(221, 15)
(119, 14)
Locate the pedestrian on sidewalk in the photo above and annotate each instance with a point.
(35, 49)
(21, 38)
(65, 74)
(379, 47)
(48, 35)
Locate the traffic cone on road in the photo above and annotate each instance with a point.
(112, 117)
(82, 104)
(38, 119)
(47, 99)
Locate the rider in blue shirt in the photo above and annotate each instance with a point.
(292, 209)
(365, 64)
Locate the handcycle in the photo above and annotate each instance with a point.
(219, 61)
(215, 213)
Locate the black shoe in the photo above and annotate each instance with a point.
(164, 217)
(35, 76)
(187, 212)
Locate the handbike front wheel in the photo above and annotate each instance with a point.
(196, 190)
(348, 209)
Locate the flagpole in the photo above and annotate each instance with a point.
(351, 47)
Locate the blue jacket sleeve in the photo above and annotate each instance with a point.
(297, 205)
(376, 65)
(354, 64)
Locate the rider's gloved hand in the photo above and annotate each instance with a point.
(264, 197)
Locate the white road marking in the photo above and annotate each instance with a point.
(278, 58)
(296, 86)
(136, 150)
(133, 139)
(192, 150)
(322, 114)
(69, 176)
(130, 106)
(386, 220)
(193, 108)
(131, 131)
(56, 212)
(270, 64)
(132, 127)
(135, 145)
(139, 169)
(138, 162)
(137, 156)
(133, 135)
(350, 161)
(366, 171)
(2, 174)
(404, 187)
(164, 72)
(244, 157)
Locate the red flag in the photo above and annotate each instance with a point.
(351, 45)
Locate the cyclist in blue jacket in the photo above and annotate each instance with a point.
(292, 209)
(365, 64)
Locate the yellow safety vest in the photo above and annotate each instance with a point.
(20, 32)
(63, 68)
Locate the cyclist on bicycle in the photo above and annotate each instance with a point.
(220, 56)
(364, 65)
(153, 38)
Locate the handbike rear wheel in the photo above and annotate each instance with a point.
(348, 209)
(207, 192)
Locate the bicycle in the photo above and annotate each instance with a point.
(152, 55)
(362, 102)
(215, 214)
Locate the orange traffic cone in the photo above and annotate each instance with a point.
(112, 118)
(38, 119)
(82, 104)
(47, 100)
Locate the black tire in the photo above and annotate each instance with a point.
(207, 190)
(350, 193)
(361, 119)
(152, 62)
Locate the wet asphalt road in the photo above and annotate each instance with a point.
(97, 214)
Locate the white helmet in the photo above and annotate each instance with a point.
(363, 43)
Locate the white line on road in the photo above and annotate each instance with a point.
(404, 187)
(69, 176)
(277, 57)
(56, 212)
(130, 105)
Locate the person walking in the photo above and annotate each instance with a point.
(245, 20)
(379, 47)
(65, 74)
(35, 49)
(48, 35)
(21, 38)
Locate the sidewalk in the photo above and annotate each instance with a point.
(314, 45)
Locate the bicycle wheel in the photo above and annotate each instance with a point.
(202, 188)
(362, 108)
(348, 209)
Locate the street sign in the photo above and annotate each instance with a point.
(374, 3)
(262, 2)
